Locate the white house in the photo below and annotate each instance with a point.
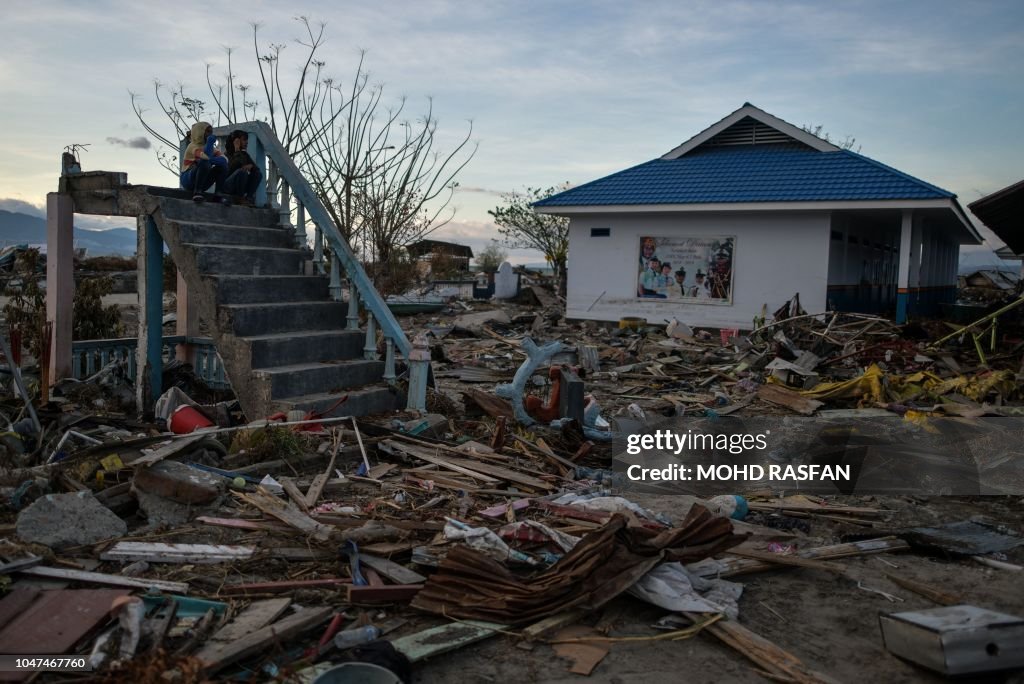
(748, 212)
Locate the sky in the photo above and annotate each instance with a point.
(557, 92)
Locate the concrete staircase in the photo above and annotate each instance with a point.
(281, 337)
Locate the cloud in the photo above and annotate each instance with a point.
(482, 191)
(139, 143)
(21, 207)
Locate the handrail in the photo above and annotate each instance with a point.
(303, 191)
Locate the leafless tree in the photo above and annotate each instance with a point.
(377, 173)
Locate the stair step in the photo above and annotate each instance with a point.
(315, 378)
(241, 260)
(212, 212)
(250, 289)
(249, 320)
(361, 402)
(305, 346)
(202, 232)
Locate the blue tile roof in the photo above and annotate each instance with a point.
(752, 173)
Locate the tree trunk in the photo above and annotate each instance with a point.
(561, 275)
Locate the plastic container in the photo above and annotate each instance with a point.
(358, 673)
(354, 637)
(186, 419)
(729, 506)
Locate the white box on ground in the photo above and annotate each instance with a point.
(956, 640)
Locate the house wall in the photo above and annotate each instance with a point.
(776, 255)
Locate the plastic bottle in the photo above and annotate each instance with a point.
(354, 637)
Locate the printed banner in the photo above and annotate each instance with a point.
(695, 270)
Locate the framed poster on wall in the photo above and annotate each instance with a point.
(694, 270)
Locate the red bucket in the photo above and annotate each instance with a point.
(186, 419)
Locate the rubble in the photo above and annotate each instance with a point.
(63, 520)
(274, 550)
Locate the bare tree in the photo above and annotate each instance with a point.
(523, 227)
(377, 173)
(381, 177)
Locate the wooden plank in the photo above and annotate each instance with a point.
(285, 585)
(399, 574)
(769, 657)
(796, 561)
(776, 394)
(281, 630)
(177, 553)
(437, 640)
(293, 492)
(242, 524)
(287, 513)
(317, 487)
(168, 450)
(258, 615)
(101, 578)
(57, 620)
(424, 455)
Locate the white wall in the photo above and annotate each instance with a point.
(776, 255)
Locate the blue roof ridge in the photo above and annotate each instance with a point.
(573, 189)
(901, 174)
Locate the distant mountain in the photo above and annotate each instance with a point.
(17, 228)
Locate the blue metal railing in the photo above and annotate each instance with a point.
(88, 357)
(284, 182)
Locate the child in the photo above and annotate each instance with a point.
(243, 178)
(202, 165)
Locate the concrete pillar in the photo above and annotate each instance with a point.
(188, 321)
(149, 352)
(910, 262)
(60, 281)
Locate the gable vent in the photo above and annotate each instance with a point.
(749, 131)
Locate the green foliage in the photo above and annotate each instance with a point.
(26, 306)
(491, 257)
(92, 320)
(522, 227)
(269, 443)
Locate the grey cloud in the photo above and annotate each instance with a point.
(139, 143)
(21, 207)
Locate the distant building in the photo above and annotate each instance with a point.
(748, 212)
(426, 251)
(1003, 213)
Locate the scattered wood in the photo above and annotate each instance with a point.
(102, 578)
(943, 598)
(776, 394)
(284, 585)
(399, 574)
(277, 632)
(176, 553)
(287, 513)
(768, 657)
(385, 594)
(258, 615)
(795, 561)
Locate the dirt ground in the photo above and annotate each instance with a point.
(825, 620)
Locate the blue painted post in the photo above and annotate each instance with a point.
(389, 361)
(150, 342)
(370, 349)
(419, 372)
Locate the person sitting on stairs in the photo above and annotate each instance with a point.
(203, 164)
(243, 177)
